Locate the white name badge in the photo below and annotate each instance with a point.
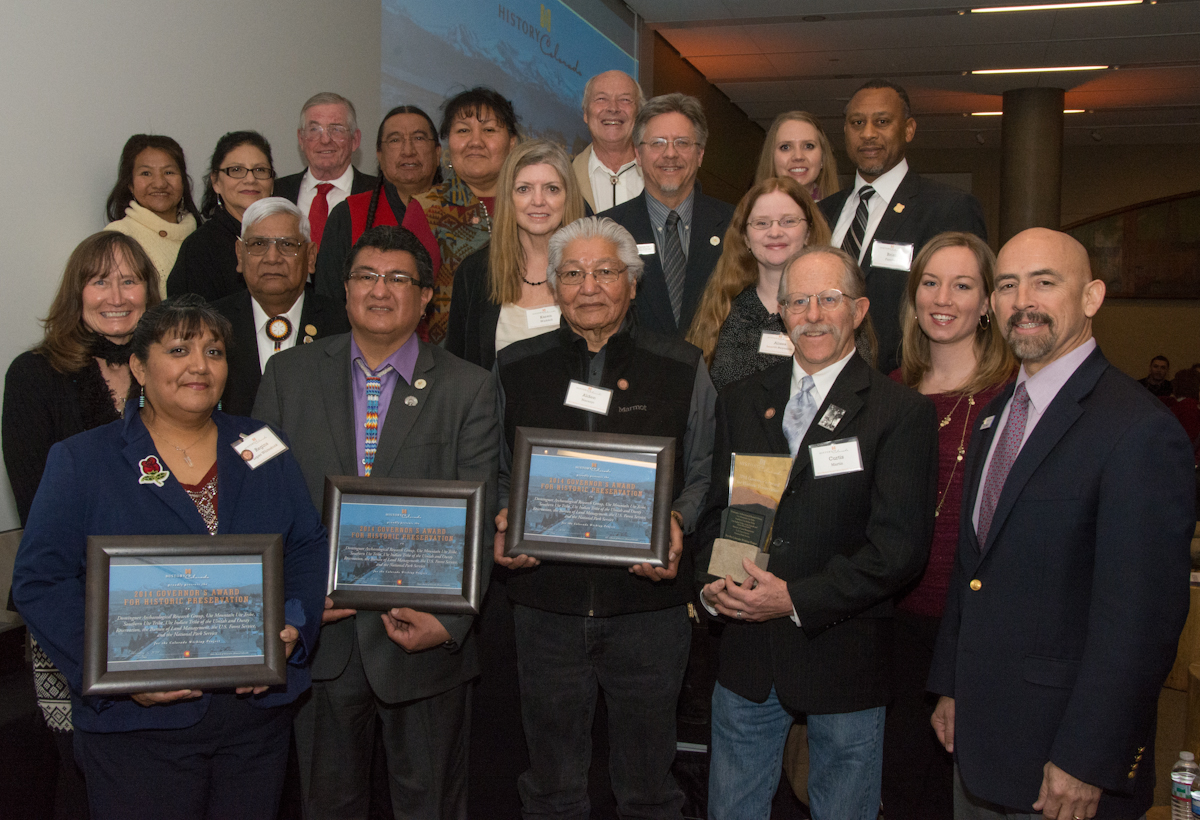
(256, 449)
(893, 255)
(542, 317)
(835, 457)
(774, 343)
(646, 249)
(587, 397)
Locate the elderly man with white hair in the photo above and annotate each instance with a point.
(277, 310)
(582, 628)
(607, 169)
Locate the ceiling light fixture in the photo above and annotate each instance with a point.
(1036, 70)
(998, 113)
(1057, 6)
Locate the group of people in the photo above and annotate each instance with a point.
(979, 506)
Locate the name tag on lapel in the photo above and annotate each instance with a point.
(835, 457)
(646, 249)
(892, 255)
(587, 397)
(257, 448)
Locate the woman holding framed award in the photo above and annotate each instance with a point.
(952, 352)
(500, 292)
(174, 468)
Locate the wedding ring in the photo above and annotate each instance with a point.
(739, 617)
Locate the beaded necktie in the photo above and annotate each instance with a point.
(371, 443)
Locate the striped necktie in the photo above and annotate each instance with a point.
(852, 243)
(374, 389)
(1007, 449)
(674, 263)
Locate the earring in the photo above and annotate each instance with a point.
(218, 404)
(985, 321)
(142, 397)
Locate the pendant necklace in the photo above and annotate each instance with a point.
(186, 458)
(961, 447)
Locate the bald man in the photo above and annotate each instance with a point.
(606, 170)
(1071, 582)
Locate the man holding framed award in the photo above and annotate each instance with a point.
(583, 626)
(381, 404)
(810, 633)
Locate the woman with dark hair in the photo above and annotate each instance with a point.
(408, 153)
(953, 353)
(152, 199)
(241, 172)
(75, 379)
(738, 316)
(169, 468)
(500, 292)
(454, 219)
(796, 146)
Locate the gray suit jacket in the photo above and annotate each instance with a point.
(452, 433)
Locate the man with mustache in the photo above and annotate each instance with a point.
(1070, 587)
(677, 228)
(607, 169)
(890, 212)
(811, 633)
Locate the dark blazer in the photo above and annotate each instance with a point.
(1082, 590)
(241, 386)
(927, 208)
(207, 261)
(845, 544)
(471, 332)
(91, 487)
(288, 187)
(710, 218)
(450, 433)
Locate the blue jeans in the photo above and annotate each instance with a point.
(638, 661)
(845, 759)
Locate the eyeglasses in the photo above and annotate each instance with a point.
(239, 172)
(258, 245)
(366, 279)
(826, 300)
(682, 144)
(787, 223)
(337, 133)
(575, 278)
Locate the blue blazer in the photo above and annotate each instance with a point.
(91, 487)
(1059, 631)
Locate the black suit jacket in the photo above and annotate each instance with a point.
(926, 208)
(324, 315)
(710, 218)
(845, 544)
(1057, 637)
(288, 187)
(471, 331)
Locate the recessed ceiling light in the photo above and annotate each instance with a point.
(1056, 6)
(998, 113)
(1035, 70)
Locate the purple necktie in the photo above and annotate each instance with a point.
(1002, 460)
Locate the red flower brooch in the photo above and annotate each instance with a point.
(152, 471)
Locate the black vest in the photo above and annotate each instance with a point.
(652, 377)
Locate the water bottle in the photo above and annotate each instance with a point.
(1183, 773)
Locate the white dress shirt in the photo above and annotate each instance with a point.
(608, 194)
(266, 345)
(338, 193)
(885, 188)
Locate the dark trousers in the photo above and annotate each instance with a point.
(229, 766)
(638, 661)
(918, 773)
(425, 742)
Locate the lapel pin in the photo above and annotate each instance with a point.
(308, 340)
(770, 414)
(310, 329)
(714, 240)
(419, 384)
(831, 418)
(622, 384)
(411, 401)
(899, 208)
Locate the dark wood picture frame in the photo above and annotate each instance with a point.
(470, 598)
(98, 680)
(528, 438)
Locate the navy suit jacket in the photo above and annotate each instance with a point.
(710, 218)
(919, 211)
(288, 187)
(91, 487)
(1059, 631)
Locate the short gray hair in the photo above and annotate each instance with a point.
(587, 91)
(854, 285)
(595, 227)
(329, 98)
(672, 104)
(269, 206)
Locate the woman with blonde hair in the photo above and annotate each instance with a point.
(796, 146)
(500, 293)
(737, 324)
(954, 353)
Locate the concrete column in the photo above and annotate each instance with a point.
(1031, 137)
